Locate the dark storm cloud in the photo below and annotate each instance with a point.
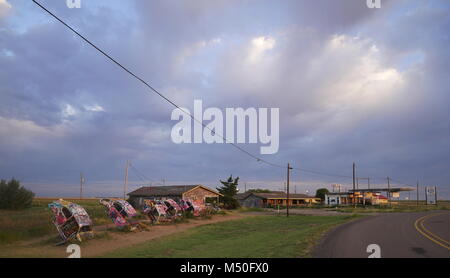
(352, 84)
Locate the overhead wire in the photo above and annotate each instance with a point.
(108, 56)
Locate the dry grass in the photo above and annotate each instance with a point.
(35, 222)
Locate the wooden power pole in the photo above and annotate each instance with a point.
(287, 189)
(81, 185)
(126, 180)
(389, 190)
(354, 176)
(417, 189)
(435, 195)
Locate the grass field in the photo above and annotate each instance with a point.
(36, 221)
(253, 237)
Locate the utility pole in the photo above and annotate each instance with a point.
(368, 183)
(287, 189)
(354, 193)
(389, 190)
(126, 180)
(245, 187)
(417, 198)
(435, 195)
(81, 185)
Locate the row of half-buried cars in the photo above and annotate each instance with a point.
(72, 221)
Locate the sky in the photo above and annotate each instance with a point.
(352, 84)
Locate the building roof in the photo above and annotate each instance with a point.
(337, 193)
(170, 190)
(392, 189)
(242, 196)
(282, 195)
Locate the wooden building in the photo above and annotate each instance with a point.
(197, 193)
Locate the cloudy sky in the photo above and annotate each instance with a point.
(352, 84)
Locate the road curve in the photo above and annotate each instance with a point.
(399, 235)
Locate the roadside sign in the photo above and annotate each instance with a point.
(431, 195)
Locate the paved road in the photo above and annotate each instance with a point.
(399, 235)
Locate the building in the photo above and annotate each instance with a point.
(197, 193)
(336, 199)
(370, 196)
(273, 199)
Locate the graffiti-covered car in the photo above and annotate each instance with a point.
(119, 211)
(71, 220)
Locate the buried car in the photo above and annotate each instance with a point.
(173, 208)
(71, 220)
(119, 211)
(156, 210)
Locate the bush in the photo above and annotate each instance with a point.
(13, 196)
(321, 192)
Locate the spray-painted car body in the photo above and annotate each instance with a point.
(118, 210)
(196, 206)
(186, 205)
(71, 220)
(156, 210)
(199, 207)
(173, 209)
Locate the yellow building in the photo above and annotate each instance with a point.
(274, 199)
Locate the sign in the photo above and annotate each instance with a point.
(430, 194)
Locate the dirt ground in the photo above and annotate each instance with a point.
(45, 247)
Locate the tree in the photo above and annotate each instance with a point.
(14, 196)
(229, 190)
(320, 193)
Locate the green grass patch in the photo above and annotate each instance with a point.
(251, 237)
(399, 206)
(35, 221)
(245, 209)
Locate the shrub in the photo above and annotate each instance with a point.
(321, 192)
(13, 196)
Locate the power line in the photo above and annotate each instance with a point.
(138, 173)
(139, 176)
(151, 88)
(321, 173)
(258, 159)
(400, 182)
